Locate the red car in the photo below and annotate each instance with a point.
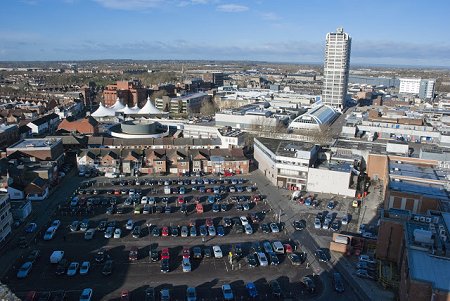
(165, 231)
(180, 200)
(209, 222)
(125, 296)
(165, 253)
(288, 248)
(186, 253)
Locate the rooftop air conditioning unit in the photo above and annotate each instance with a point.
(435, 219)
(417, 218)
(422, 218)
(428, 220)
(442, 232)
(444, 238)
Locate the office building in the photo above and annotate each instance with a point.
(426, 90)
(409, 85)
(336, 68)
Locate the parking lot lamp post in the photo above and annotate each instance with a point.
(149, 226)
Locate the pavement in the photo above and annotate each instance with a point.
(311, 239)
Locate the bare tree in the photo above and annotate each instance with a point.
(208, 108)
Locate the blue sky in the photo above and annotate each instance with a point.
(396, 32)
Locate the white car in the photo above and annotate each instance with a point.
(217, 252)
(144, 200)
(130, 224)
(89, 234)
(262, 259)
(248, 229)
(274, 228)
(73, 268)
(131, 191)
(56, 223)
(244, 220)
(186, 265)
(227, 292)
(117, 233)
(317, 223)
(84, 268)
(109, 232)
(86, 294)
(50, 233)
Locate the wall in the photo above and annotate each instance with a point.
(265, 163)
(319, 180)
(390, 234)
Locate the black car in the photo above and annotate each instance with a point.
(237, 221)
(265, 228)
(223, 207)
(239, 207)
(215, 207)
(238, 250)
(33, 255)
(174, 231)
(197, 252)
(238, 229)
(338, 283)
(108, 268)
(251, 260)
(321, 255)
(335, 226)
(168, 209)
(207, 252)
(295, 259)
(156, 232)
(61, 268)
(165, 266)
(101, 255)
(183, 208)
(22, 242)
(149, 294)
(58, 295)
(136, 233)
(274, 260)
(299, 224)
(154, 255)
(256, 247)
(159, 209)
(308, 282)
(275, 288)
(101, 226)
(227, 222)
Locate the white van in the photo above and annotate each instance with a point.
(278, 247)
(262, 259)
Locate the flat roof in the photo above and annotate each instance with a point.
(286, 148)
(421, 189)
(36, 143)
(424, 267)
(374, 148)
(415, 171)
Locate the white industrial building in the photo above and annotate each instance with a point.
(316, 118)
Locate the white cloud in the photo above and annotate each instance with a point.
(130, 4)
(270, 16)
(232, 8)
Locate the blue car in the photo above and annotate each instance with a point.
(202, 189)
(308, 202)
(31, 227)
(251, 289)
(182, 190)
(220, 231)
(211, 199)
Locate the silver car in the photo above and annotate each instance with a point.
(184, 231)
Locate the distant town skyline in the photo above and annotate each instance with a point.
(413, 33)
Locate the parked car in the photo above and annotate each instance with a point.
(24, 270)
(338, 282)
(33, 255)
(299, 224)
(165, 267)
(275, 288)
(107, 267)
(136, 233)
(117, 233)
(308, 282)
(89, 234)
(50, 233)
(251, 290)
(186, 263)
(191, 294)
(86, 294)
(74, 226)
(84, 268)
(251, 260)
(367, 258)
(331, 204)
(31, 227)
(321, 255)
(73, 268)
(217, 252)
(227, 292)
(274, 228)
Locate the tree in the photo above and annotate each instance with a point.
(158, 94)
(208, 108)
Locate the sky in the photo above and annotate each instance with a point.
(391, 32)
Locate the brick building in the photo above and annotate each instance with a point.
(131, 93)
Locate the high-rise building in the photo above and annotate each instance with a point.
(422, 87)
(426, 90)
(336, 67)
